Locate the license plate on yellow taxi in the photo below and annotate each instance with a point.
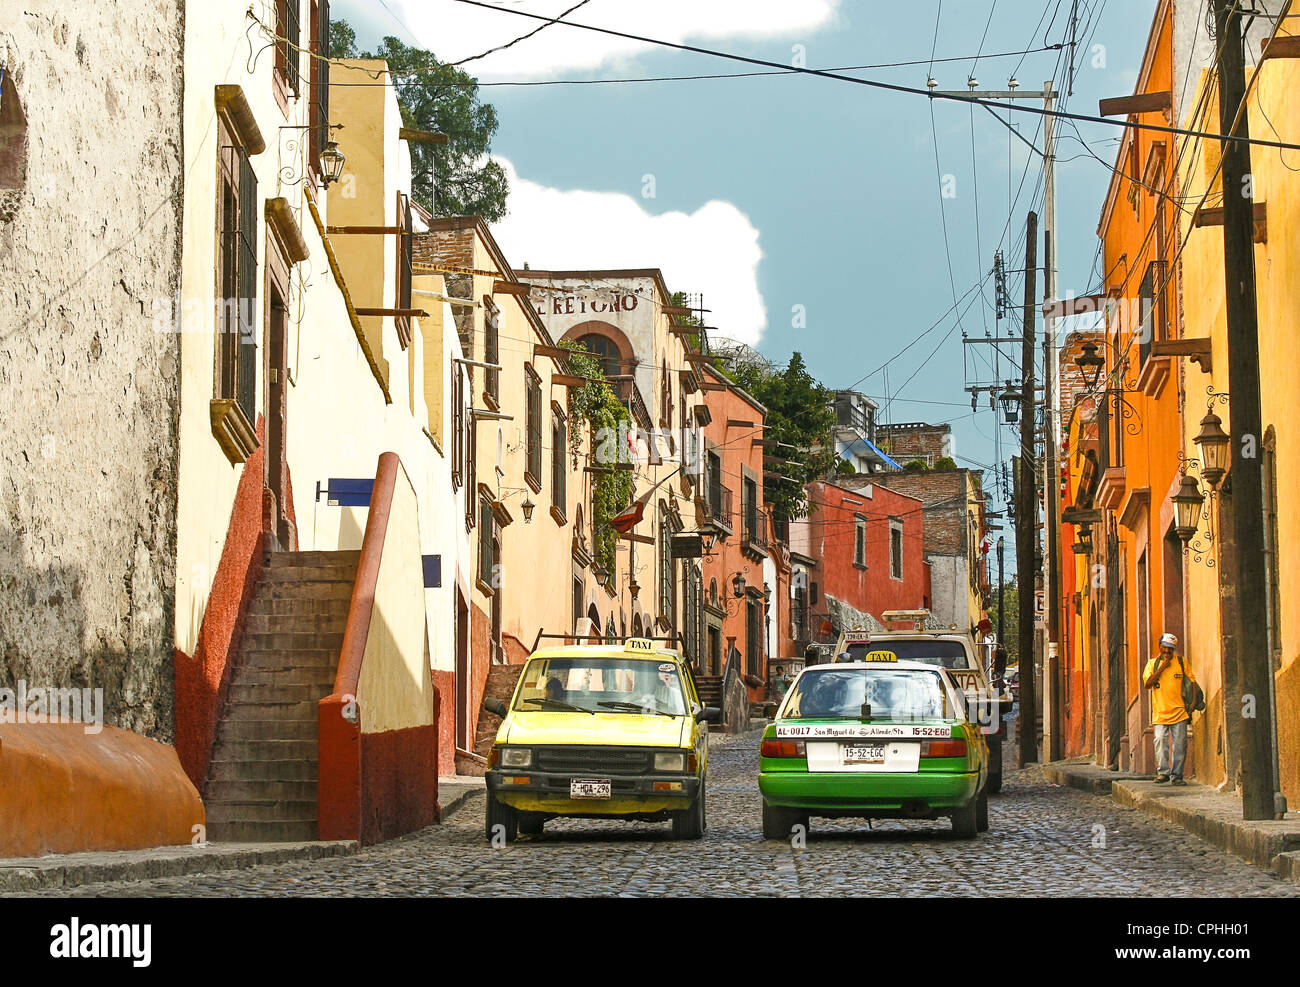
(589, 788)
(868, 754)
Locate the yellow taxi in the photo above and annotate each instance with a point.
(600, 732)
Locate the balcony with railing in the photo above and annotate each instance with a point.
(717, 504)
(754, 537)
(625, 389)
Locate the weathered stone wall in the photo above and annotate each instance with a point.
(88, 389)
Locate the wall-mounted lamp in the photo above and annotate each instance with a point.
(527, 507)
(1187, 508)
(331, 163)
(1091, 364)
(738, 585)
(1213, 443)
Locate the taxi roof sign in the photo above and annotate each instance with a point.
(880, 656)
(640, 644)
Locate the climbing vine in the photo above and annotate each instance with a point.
(595, 409)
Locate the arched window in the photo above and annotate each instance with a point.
(611, 360)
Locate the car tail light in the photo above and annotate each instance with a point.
(783, 748)
(943, 748)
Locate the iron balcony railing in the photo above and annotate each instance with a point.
(755, 530)
(717, 506)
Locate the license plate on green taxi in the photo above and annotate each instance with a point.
(868, 754)
(589, 788)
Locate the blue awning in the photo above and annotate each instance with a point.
(874, 448)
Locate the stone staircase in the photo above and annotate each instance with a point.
(710, 689)
(262, 780)
(501, 682)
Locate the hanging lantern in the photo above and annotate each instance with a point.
(528, 506)
(1187, 508)
(331, 163)
(1090, 364)
(738, 585)
(1213, 442)
(1010, 400)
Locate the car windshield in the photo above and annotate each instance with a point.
(945, 654)
(892, 693)
(602, 685)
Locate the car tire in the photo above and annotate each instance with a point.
(499, 814)
(995, 768)
(689, 824)
(965, 821)
(779, 822)
(531, 823)
(982, 811)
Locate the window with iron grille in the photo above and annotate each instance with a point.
(713, 482)
(753, 636)
(457, 426)
(667, 598)
(895, 549)
(237, 277)
(471, 466)
(287, 27)
(532, 428)
(319, 111)
(859, 541)
(491, 353)
(749, 505)
(559, 474)
(405, 255)
(487, 561)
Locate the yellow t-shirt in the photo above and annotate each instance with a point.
(1167, 692)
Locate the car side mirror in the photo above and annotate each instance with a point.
(495, 706)
(708, 714)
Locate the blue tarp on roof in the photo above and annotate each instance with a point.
(877, 450)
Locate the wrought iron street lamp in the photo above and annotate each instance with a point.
(1010, 400)
(738, 585)
(528, 506)
(1213, 443)
(601, 574)
(1084, 545)
(331, 163)
(1091, 364)
(708, 538)
(1187, 508)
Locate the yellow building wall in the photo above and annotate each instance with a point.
(1276, 97)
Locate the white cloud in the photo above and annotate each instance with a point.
(713, 250)
(457, 30)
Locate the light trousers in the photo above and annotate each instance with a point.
(1171, 748)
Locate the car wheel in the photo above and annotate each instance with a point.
(982, 811)
(500, 819)
(689, 824)
(964, 821)
(778, 822)
(995, 768)
(531, 823)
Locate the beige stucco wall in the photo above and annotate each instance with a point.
(89, 248)
(395, 691)
(338, 421)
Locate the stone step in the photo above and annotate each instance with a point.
(285, 675)
(223, 810)
(230, 770)
(283, 590)
(244, 693)
(309, 574)
(282, 559)
(245, 727)
(289, 658)
(261, 832)
(297, 606)
(265, 750)
(294, 622)
(291, 641)
(242, 789)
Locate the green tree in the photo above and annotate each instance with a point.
(452, 179)
(801, 421)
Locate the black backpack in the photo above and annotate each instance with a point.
(1193, 695)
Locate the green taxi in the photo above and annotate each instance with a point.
(600, 732)
(875, 739)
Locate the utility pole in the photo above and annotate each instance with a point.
(1001, 640)
(1027, 509)
(1254, 657)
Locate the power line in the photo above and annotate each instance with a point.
(890, 86)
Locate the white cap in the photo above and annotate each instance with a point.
(1167, 640)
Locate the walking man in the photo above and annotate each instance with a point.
(1164, 676)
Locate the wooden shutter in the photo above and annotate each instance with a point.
(534, 423)
(559, 449)
(246, 392)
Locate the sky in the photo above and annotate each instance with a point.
(812, 214)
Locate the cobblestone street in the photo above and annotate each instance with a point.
(1044, 840)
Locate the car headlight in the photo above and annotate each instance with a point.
(515, 757)
(670, 762)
